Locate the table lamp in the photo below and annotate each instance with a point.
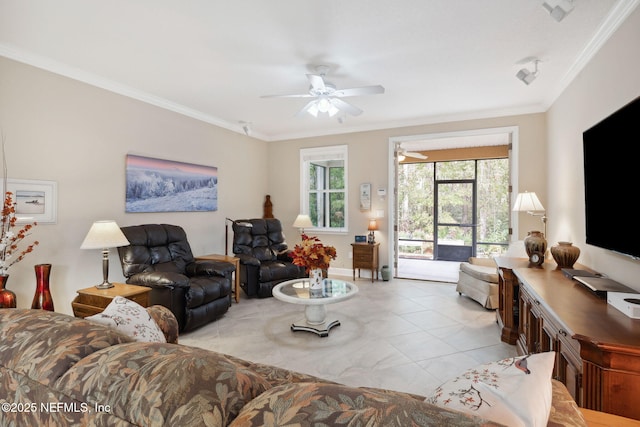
(104, 235)
(528, 202)
(373, 226)
(302, 222)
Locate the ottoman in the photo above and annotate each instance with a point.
(478, 279)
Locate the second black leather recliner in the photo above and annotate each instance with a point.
(264, 256)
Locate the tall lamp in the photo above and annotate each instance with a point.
(302, 222)
(104, 235)
(373, 226)
(528, 202)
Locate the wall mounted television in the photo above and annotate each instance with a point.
(611, 174)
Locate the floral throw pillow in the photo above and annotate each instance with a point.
(515, 391)
(130, 318)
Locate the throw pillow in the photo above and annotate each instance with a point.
(515, 391)
(130, 318)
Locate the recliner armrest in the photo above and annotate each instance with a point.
(159, 279)
(248, 259)
(209, 268)
(285, 256)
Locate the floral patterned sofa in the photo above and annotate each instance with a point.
(64, 371)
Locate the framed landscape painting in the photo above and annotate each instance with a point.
(157, 185)
(35, 201)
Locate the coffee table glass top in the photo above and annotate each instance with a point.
(297, 291)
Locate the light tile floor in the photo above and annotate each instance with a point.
(405, 335)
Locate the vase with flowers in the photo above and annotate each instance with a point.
(315, 257)
(11, 235)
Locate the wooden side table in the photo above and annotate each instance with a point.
(226, 258)
(365, 255)
(92, 300)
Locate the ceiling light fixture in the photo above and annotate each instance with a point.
(323, 105)
(561, 9)
(527, 76)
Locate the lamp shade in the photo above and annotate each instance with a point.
(104, 234)
(527, 202)
(373, 225)
(302, 221)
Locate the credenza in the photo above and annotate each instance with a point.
(597, 346)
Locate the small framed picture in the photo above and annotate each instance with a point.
(365, 197)
(35, 201)
(361, 239)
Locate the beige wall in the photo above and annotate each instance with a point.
(61, 130)
(369, 162)
(608, 82)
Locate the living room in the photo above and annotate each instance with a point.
(77, 134)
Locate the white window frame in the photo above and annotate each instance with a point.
(308, 155)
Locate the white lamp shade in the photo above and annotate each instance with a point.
(104, 234)
(527, 202)
(303, 221)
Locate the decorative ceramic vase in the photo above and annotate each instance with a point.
(385, 271)
(315, 283)
(535, 243)
(42, 299)
(7, 297)
(565, 254)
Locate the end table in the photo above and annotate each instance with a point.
(365, 255)
(92, 300)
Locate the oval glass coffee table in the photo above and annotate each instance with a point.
(296, 291)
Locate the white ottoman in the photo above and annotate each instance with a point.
(478, 280)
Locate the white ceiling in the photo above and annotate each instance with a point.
(439, 60)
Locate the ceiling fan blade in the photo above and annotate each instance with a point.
(317, 82)
(415, 155)
(357, 91)
(294, 95)
(346, 107)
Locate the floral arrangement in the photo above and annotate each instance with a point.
(9, 238)
(311, 253)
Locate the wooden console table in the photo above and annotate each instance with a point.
(597, 346)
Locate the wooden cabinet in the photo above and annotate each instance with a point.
(365, 255)
(508, 296)
(597, 347)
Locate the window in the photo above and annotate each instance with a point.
(323, 173)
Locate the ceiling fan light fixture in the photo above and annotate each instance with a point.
(313, 109)
(323, 105)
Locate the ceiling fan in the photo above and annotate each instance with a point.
(327, 98)
(402, 154)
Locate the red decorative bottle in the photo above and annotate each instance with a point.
(7, 297)
(42, 299)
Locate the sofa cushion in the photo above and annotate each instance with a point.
(480, 272)
(325, 404)
(43, 345)
(515, 391)
(163, 384)
(131, 319)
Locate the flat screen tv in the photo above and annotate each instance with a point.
(611, 174)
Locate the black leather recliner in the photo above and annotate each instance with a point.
(160, 257)
(264, 256)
